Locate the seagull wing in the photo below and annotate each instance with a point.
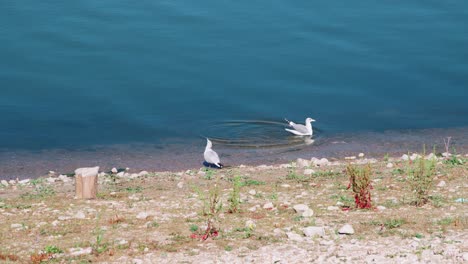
(299, 128)
(211, 156)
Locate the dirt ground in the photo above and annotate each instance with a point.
(241, 215)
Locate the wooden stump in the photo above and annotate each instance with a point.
(86, 183)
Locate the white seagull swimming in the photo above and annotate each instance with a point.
(210, 155)
(299, 129)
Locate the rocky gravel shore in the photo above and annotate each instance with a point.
(299, 212)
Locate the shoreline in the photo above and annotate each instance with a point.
(182, 156)
(155, 217)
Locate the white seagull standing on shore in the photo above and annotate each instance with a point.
(299, 129)
(210, 155)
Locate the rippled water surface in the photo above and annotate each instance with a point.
(89, 75)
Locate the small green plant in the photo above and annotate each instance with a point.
(193, 228)
(445, 221)
(40, 191)
(394, 223)
(209, 174)
(234, 198)
(386, 157)
(99, 247)
(136, 189)
(454, 161)
(359, 180)
(292, 175)
(417, 235)
(52, 249)
(211, 208)
(421, 179)
(249, 182)
(228, 248)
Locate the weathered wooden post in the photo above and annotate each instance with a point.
(86, 182)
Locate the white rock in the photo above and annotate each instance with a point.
(465, 256)
(137, 261)
(415, 156)
(361, 155)
(285, 166)
(323, 161)
(121, 174)
(64, 178)
(339, 203)
(4, 183)
(294, 237)
(405, 157)
(252, 209)
(309, 171)
(143, 173)
(51, 179)
(134, 175)
(55, 223)
(79, 215)
(333, 208)
(350, 158)
(285, 185)
(302, 163)
(114, 170)
(300, 208)
(431, 156)
(381, 208)
(441, 184)
(87, 172)
(389, 165)
(252, 192)
(16, 226)
(12, 182)
(308, 213)
(268, 206)
(346, 230)
(25, 181)
(80, 251)
(142, 215)
(446, 154)
(180, 185)
(312, 231)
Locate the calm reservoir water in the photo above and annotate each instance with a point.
(89, 75)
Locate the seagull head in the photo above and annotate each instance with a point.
(308, 120)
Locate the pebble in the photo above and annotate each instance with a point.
(312, 231)
(114, 170)
(302, 163)
(405, 157)
(309, 171)
(381, 208)
(333, 208)
(252, 192)
(4, 183)
(79, 215)
(294, 237)
(268, 206)
(121, 174)
(142, 215)
(346, 230)
(300, 208)
(285, 185)
(64, 178)
(143, 173)
(180, 185)
(12, 182)
(350, 158)
(389, 165)
(80, 251)
(441, 184)
(361, 155)
(308, 213)
(252, 209)
(285, 166)
(137, 261)
(25, 181)
(16, 226)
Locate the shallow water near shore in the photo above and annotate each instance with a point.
(178, 154)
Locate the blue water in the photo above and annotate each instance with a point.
(85, 73)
